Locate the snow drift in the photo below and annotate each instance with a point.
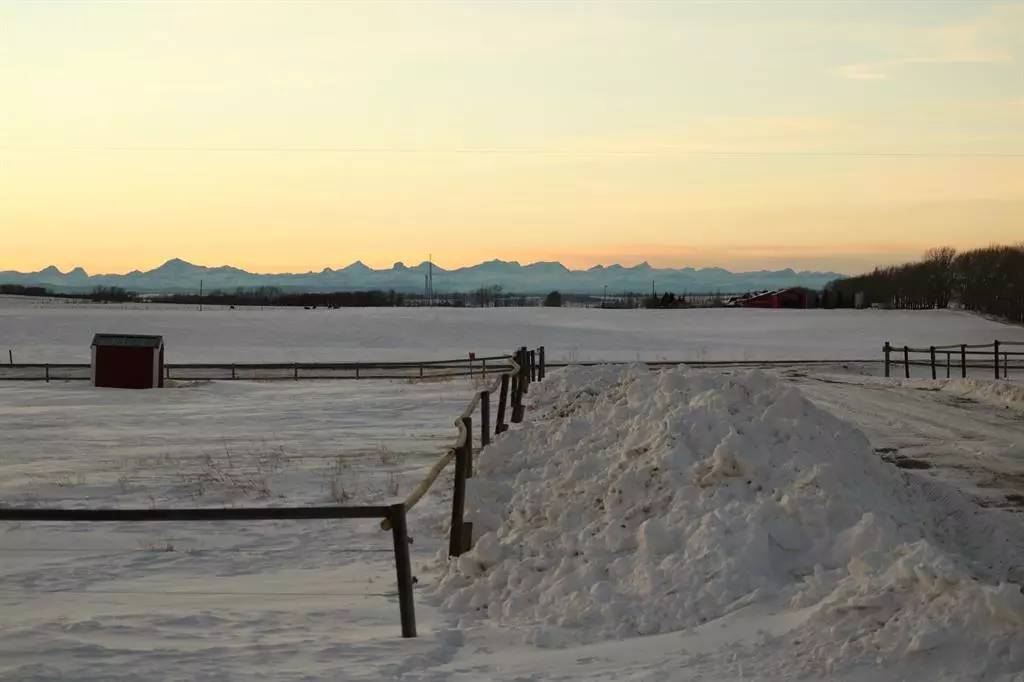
(636, 503)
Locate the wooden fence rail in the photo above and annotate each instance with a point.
(434, 370)
(395, 514)
(510, 388)
(998, 357)
(514, 377)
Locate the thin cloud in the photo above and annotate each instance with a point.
(974, 42)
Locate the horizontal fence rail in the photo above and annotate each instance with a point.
(427, 370)
(484, 368)
(510, 378)
(395, 514)
(711, 363)
(510, 387)
(998, 358)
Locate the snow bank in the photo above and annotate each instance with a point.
(993, 392)
(636, 503)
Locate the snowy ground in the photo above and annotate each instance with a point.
(966, 432)
(284, 601)
(212, 601)
(49, 331)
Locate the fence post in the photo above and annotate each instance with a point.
(906, 360)
(403, 569)
(357, 371)
(500, 426)
(455, 536)
(295, 368)
(995, 346)
(963, 360)
(524, 371)
(421, 370)
(1006, 365)
(468, 421)
(542, 365)
(518, 388)
(887, 349)
(10, 355)
(931, 352)
(485, 418)
(233, 376)
(47, 373)
(948, 359)
(533, 366)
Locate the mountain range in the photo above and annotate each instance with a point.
(177, 275)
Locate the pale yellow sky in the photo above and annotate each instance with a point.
(292, 136)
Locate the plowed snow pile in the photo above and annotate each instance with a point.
(634, 503)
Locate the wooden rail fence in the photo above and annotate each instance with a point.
(511, 386)
(997, 358)
(294, 371)
(395, 515)
(512, 383)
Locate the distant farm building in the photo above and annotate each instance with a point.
(127, 361)
(779, 298)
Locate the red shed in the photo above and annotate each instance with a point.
(128, 361)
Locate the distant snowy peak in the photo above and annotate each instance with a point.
(532, 278)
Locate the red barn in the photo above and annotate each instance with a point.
(127, 361)
(780, 298)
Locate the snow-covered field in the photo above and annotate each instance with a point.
(685, 525)
(40, 330)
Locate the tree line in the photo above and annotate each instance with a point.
(988, 280)
(274, 296)
(97, 294)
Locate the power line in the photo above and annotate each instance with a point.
(656, 151)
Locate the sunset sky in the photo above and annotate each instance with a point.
(293, 136)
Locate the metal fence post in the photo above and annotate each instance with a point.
(541, 364)
(533, 365)
(485, 418)
(47, 373)
(403, 569)
(887, 349)
(906, 360)
(963, 360)
(995, 353)
(931, 352)
(948, 362)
